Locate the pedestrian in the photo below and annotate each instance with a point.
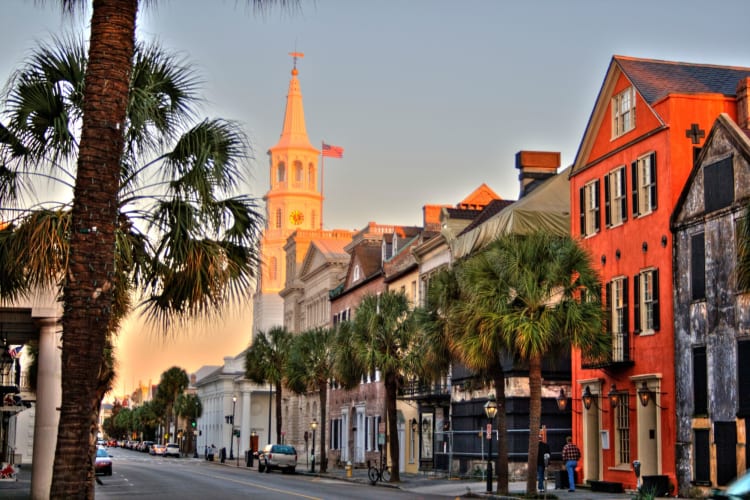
(570, 455)
(542, 459)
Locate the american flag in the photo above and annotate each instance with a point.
(15, 352)
(333, 151)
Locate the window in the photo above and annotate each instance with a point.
(335, 433)
(589, 205)
(718, 184)
(617, 300)
(313, 217)
(273, 269)
(646, 301)
(278, 218)
(623, 112)
(615, 197)
(622, 429)
(281, 172)
(700, 381)
(356, 274)
(698, 266)
(311, 184)
(743, 379)
(644, 185)
(297, 173)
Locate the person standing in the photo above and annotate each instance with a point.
(570, 455)
(541, 462)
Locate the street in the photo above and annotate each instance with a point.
(139, 475)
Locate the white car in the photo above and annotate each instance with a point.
(172, 450)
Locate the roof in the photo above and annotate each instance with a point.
(490, 210)
(546, 207)
(655, 79)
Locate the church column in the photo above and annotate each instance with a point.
(48, 400)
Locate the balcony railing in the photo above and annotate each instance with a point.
(415, 389)
(621, 355)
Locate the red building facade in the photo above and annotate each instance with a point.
(648, 123)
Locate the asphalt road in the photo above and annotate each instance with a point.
(139, 475)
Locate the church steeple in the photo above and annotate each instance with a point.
(294, 131)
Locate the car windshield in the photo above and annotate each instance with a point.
(101, 452)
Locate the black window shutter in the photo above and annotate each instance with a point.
(702, 448)
(607, 201)
(725, 439)
(597, 202)
(623, 190)
(634, 183)
(653, 181)
(582, 200)
(636, 304)
(608, 308)
(698, 266)
(700, 381)
(625, 304)
(743, 378)
(657, 316)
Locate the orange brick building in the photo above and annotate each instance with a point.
(648, 123)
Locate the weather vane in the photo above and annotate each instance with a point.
(296, 55)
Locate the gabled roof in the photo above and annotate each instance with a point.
(331, 250)
(478, 198)
(653, 81)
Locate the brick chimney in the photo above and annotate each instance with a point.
(535, 167)
(743, 103)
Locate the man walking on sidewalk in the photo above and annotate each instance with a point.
(570, 455)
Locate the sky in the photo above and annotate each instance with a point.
(428, 98)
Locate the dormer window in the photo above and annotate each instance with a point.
(623, 112)
(357, 273)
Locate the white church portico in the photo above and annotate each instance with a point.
(237, 413)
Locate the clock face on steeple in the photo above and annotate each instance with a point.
(296, 217)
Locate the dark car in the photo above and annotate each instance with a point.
(103, 463)
(737, 489)
(277, 456)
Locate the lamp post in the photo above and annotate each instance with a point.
(313, 425)
(490, 410)
(231, 430)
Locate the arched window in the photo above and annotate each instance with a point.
(281, 172)
(313, 217)
(298, 172)
(278, 218)
(311, 182)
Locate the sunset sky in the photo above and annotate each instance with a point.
(428, 98)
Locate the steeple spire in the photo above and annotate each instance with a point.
(294, 131)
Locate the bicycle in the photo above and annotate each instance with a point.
(382, 474)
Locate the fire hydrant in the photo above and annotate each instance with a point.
(349, 469)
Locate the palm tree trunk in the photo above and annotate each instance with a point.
(88, 290)
(323, 392)
(535, 419)
(502, 432)
(391, 389)
(278, 412)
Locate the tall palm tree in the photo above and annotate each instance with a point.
(172, 383)
(182, 240)
(444, 330)
(310, 368)
(266, 362)
(89, 288)
(380, 337)
(534, 295)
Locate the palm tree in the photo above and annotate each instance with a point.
(380, 338)
(445, 331)
(89, 289)
(266, 363)
(533, 295)
(310, 368)
(173, 382)
(180, 240)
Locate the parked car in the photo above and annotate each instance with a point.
(172, 450)
(158, 449)
(277, 456)
(736, 490)
(145, 446)
(103, 462)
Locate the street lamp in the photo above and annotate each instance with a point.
(490, 409)
(231, 430)
(313, 425)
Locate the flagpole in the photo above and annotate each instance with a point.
(322, 167)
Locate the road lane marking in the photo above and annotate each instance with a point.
(251, 483)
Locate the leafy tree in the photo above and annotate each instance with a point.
(189, 407)
(443, 328)
(266, 363)
(380, 337)
(182, 240)
(310, 367)
(89, 287)
(172, 383)
(533, 295)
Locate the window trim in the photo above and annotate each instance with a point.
(640, 310)
(616, 204)
(590, 207)
(640, 187)
(623, 121)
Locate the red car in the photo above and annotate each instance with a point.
(103, 463)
